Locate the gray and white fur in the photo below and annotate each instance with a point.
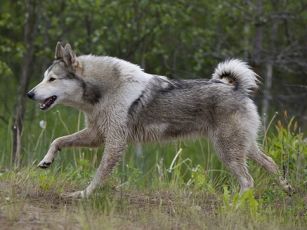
(123, 104)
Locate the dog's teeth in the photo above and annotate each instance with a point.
(42, 106)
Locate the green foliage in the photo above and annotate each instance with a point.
(199, 179)
(245, 203)
(288, 147)
(46, 182)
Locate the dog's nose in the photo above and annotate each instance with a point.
(30, 94)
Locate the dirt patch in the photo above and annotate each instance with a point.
(34, 208)
(33, 215)
(22, 210)
(4, 223)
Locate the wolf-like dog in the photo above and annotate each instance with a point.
(123, 104)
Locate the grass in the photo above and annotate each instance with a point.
(31, 197)
(181, 185)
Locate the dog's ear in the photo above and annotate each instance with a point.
(59, 51)
(70, 57)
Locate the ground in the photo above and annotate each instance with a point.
(31, 199)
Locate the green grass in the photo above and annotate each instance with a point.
(180, 185)
(33, 196)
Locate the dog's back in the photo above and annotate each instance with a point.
(179, 108)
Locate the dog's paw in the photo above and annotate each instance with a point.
(44, 164)
(74, 195)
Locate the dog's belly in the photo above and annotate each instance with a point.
(164, 132)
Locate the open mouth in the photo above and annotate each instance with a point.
(47, 102)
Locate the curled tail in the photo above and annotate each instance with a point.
(237, 73)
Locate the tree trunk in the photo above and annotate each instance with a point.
(27, 63)
(246, 40)
(267, 92)
(257, 50)
(268, 77)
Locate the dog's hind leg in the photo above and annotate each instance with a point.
(83, 138)
(232, 155)
(267, 162)
(239, 168)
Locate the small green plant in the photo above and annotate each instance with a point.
(46, 181)
(200, 180)
(246, 203)
(289, 148)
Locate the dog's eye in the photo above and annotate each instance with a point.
(52, 79)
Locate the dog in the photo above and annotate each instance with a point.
(123, 104)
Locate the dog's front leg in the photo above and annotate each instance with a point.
(84, 138)
(114, 149)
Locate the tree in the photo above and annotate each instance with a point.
(27, 64)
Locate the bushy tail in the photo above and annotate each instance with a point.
(239, 74)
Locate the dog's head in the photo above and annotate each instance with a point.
(60, 83)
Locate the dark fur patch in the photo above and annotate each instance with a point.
(116, 71)
(226, 75)
(91, 93)
(71, 75)
(136, 103)
(231, 79)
